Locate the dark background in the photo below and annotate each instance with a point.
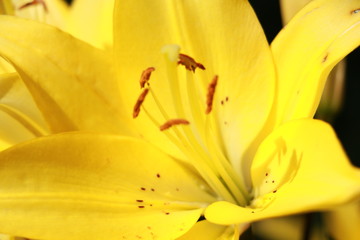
(347, 123)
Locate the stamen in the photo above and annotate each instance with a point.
(139, 102)
(355, 11)
(173, 122)
(145, 76)
(210, 94)
(34, 2)
(189, 63)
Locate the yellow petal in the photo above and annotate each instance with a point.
(308, 48)
(54, 12)
(141, 29)
(57, 13)
(6, 7)
(72, 83)
(204, 230)
(225, 36)
(232, 45)
(333, 93)
(300, 167)
(20, 118)
(92, 21)
(289, 8)
(92, 186)
(5, 237)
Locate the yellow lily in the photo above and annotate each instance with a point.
(243, 149)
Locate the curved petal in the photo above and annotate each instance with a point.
(5, 237)
(92, 21)
(92, 186)
(4, 144)
(289, 8)
(225, 36)
(204, 230)
(307, 49)
(72, 83)
(20, 118)
(300, 167)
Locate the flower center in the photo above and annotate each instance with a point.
(194, 128)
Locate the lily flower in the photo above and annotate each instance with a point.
(222, 134)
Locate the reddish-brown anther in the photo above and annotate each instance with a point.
(173, 122)
(139, 102)
(210, 94)
(34, 2)
(189, 63)
(145, 76)
(355, 11)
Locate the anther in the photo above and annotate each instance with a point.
(189, 63)
(145, 76)
(139, 102)
(34, 2)
(173, 122)
(355, 11)
(210, 94)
